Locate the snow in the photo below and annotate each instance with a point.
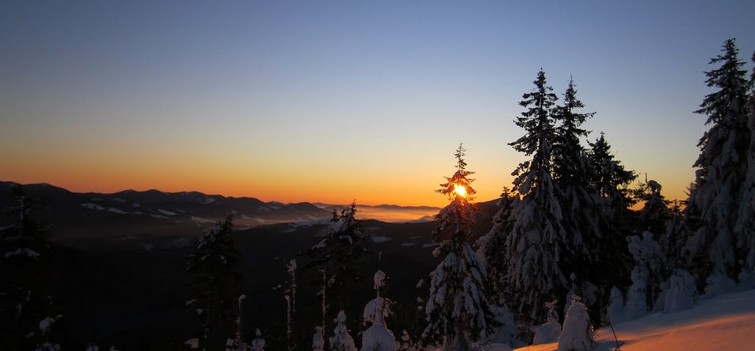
(23, 252)
(200, 220)
(167, 213)
(192, 343)
(91, 206)
(577, 334)
(380, 239)
(115, 210)
(726, 322)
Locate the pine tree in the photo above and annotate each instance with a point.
(492, 247)
(655, 213)
(25, 276)
(583, 215)
(258, 343)
(458, 313)
(378, 337)
(537, 240)
(746, 215)
(721, 175)
(341, 339)
(335, 253)
(578, 334)
(646, 275)
(318, 341)
(492, 251)
(214, 265)
(611, 182)
(610, 179)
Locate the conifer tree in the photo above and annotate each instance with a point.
(654, 213)
(578, 334)
(746, 215)
(216, 283)
(492, 246)
(341, 339)
(492, 251)
(378, 337)
(335, 253)
(721, 175)
(25, 276)
(583, 215)
(457, 310)
(537, 240)
(611, 182)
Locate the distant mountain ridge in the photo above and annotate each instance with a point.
(76, 213)
(154, 210)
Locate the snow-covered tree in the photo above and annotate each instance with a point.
(378, 337)
(676, 235)
(406, 343)
(289, 295)
(583, 210)
(258, 343)
(717, 242)
(551, 329)
(611, 182)
(216, 284)
(746, 215)
(492, 253)
(654, 214)
(341, 339)
(678, 291)
(646, 275)
(609, 177)
(616, 312)
(335, 253)
(537, 240)
(458, 312)
(26, 287)
(581, 214)
(492, 246)
(577, 334)
(318, 340)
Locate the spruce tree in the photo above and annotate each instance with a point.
(457, 310)
(26, 291)
(537, 241)
(335, 254)
(611, 182)
(721, 175)
(492, 250)
(654, 214)
(746, 215)
(580, 203)
(216, 283)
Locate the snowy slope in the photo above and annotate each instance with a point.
(726, 322)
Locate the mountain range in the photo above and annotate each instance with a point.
(156, 212)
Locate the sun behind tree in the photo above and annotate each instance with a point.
(457, 187)
(458, 314)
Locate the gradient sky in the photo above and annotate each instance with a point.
(338, 100)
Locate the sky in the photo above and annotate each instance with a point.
(334, 101)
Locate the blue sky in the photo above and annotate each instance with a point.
(341, 100)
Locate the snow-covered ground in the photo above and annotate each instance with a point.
(726, 322)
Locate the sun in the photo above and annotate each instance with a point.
(460, 190)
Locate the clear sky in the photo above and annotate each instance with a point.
(339, 100)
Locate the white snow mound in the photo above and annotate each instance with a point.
(726, 322)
